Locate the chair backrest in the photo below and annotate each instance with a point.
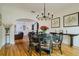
(46, 39)
(42, 36)
(31, 33)
(58, 38)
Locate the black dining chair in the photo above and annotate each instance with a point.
(33, 41)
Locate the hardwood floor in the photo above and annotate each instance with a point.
(20, 48)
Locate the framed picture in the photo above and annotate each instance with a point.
(55, 23)
(71, 20)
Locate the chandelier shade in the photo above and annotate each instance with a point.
(44, 15)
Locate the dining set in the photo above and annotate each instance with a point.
(45, 42)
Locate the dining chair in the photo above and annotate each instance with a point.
(57, 41)
(33, 42)
(46, 43)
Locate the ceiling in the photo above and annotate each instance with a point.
(38, 7)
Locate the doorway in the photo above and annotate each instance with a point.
(22, 28)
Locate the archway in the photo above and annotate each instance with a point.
(22, 27)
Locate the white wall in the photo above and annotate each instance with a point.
(27, 24)
(69, 10)
(0, 36)
(0, 31)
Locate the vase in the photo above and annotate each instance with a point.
(44, 31)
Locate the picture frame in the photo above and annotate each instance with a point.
(71, 20)
(55, 22)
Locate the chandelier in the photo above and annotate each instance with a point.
(44, 15)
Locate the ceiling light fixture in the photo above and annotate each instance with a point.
(43, 15)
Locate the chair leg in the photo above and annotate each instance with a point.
(60, 49)
(30, 52)
(40, 51)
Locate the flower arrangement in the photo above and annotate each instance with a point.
(44, 28)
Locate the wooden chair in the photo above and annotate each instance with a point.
(33, 42)
(46, 43)
(57, 41)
